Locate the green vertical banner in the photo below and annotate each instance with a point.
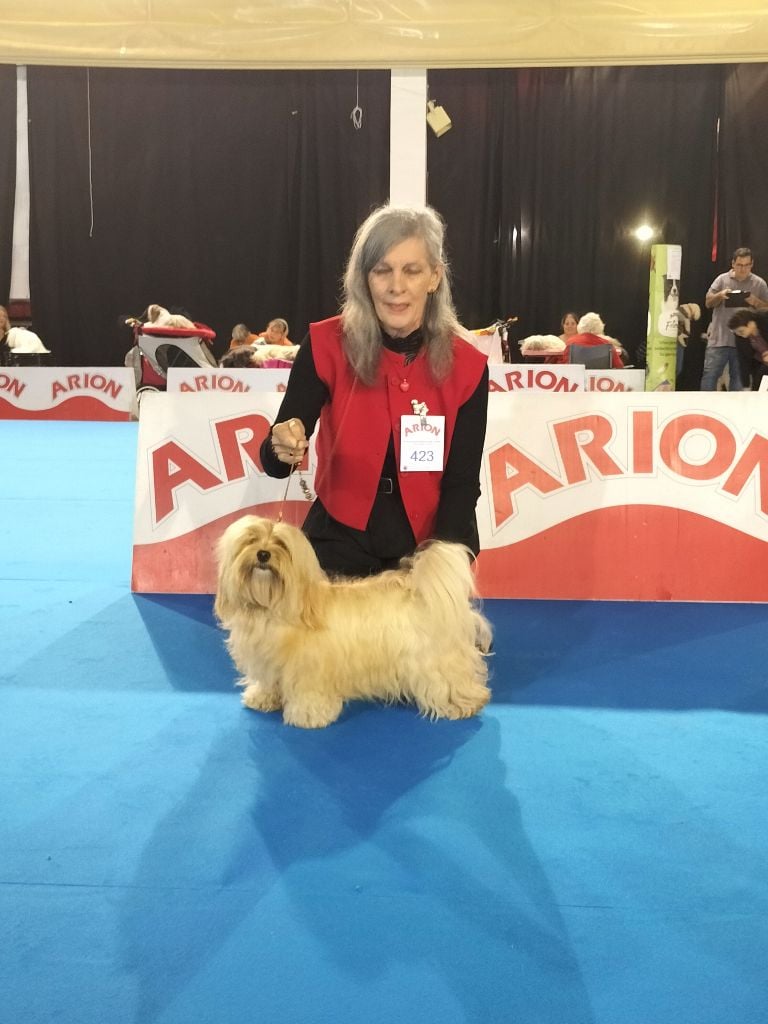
(664, 296)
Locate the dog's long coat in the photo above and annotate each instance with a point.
(306, 644)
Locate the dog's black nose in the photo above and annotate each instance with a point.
(263, 556)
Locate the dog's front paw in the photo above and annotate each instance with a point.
(466, 704)
(261, 698)
(312, 714)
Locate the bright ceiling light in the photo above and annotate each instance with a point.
(644, 233)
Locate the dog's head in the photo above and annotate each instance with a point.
(269, 567)
(156, 314)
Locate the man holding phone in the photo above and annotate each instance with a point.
(738, 288)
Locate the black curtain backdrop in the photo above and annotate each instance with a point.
(546, 172)
(231, 196)
(464, 182)
(7, 176)
(743, 163)
(234, 195)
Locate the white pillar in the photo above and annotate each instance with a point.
(20, 257)
(408, 137)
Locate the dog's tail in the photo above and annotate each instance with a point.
(441, 573)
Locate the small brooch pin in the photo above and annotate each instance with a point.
(420, 409)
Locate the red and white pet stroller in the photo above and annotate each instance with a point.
(157, 348)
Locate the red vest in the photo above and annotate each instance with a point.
(357, 422)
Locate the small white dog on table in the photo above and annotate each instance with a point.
(305, 644)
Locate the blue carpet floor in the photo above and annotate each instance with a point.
(593, 848)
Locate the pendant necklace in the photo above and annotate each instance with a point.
(410, 355)
(408, 348)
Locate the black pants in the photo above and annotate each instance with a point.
(344, 551)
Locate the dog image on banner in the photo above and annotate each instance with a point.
(305, 644)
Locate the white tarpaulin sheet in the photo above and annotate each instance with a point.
(378, 33)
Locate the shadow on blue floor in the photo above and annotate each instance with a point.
(673, 656)
(626, 655)
(379, 850)
(591, 848)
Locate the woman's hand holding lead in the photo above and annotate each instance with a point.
(289, 441)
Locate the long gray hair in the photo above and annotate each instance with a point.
(384, 228)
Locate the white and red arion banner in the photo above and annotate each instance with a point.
(198, 469)
(588, 495)
(226, 381)
(502, 377)
(559, 377)
(657, 496)
(614, 380)
(554, 377)
(67, 393)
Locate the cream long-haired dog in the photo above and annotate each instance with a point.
(158, 316)
(306, 644)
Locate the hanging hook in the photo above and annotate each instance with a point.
(357, 111)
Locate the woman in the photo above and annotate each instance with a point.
(568, 326)
(590, 331)
(242, 336)
(397, 342)
(751, 326)
(275, 334)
